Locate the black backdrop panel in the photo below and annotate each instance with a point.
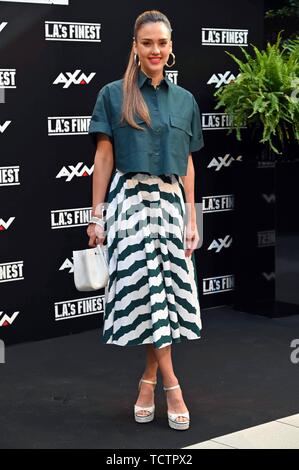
(53, 61)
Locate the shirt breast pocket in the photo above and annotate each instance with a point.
(180, 133)
(128, 141)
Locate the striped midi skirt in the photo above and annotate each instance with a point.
(152, 295)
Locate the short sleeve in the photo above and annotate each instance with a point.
(100, 119)
(196, 141)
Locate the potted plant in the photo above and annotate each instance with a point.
(265, 97)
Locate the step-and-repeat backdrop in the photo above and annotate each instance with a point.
(54, 58)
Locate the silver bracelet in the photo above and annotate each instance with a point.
(97, 221)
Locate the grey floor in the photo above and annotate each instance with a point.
(75, 392)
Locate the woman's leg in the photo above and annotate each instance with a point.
(175, 401)
(146, 393)
(151, 367)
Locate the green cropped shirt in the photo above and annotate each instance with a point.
(164, 147)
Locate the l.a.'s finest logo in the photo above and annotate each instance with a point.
(8, 78)
(7, 320)
(219, 79)
(12, 271)
(54, 2)
(68, 309)
(68, 125)
(224, 37)
(172, 75)
(4, 225)
(219, 203)
(265, 238)
(69, 172)
(65, 218)
(261, 164)
(76, 78)
(72, 31)
(217, 121)
(9, 175)
(217, 284)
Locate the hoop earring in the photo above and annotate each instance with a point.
(137, 63)
(173, 60)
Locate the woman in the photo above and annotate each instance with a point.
(145, 128)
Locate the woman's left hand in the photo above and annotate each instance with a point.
(192, 238)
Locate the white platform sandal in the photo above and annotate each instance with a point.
(173, 417)
(149, 409)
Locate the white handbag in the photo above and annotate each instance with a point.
(91, 268)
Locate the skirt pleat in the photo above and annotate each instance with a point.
(152, 293)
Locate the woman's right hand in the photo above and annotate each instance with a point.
(96, 235)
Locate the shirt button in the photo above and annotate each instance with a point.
(156, 153)
(158, 130)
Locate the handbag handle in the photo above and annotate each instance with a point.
(102, 251)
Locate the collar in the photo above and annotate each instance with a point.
(142, 78)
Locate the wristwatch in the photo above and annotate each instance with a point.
(97, 221)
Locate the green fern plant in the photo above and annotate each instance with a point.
(265, 94)
(292, 47)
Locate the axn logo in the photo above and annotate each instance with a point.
(7, 320)
(70, 171)
(76, 78)
(5, 225)
(219, 79)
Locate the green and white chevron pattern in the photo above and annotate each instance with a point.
(152, 294)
